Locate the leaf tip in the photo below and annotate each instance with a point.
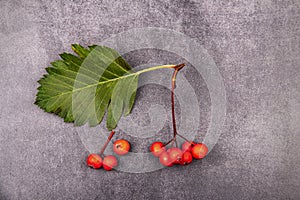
(74, 46)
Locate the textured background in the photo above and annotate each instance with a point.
(255, 44)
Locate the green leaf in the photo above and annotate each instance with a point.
(82, 88)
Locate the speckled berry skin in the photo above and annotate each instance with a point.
(157, 148)
(109, 162)
(94, 161)
(199, 151)
(121, 147)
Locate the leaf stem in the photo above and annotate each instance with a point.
(107, 141)
(155, 68)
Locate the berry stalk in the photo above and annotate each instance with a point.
(107, 141)
(185, 139)
(177, 68)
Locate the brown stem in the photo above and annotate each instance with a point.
(176, 70)
(185, 139)
(107, 141)
(173, 139)
(168, 142)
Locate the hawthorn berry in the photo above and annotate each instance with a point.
(157, 148)
(109, 162)
(94, 161)
(199, 151)
(121, 147)
(187, 146)
(175, 154)
(165, 159)
(186, 159)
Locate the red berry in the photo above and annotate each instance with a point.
(165, 159)
(109, 162)
(199, 151)
(94, 161)
(121, 147)
(157, 148)
(187, 146)
(187, 158)
(175, 155)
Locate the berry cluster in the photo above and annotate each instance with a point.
(120, 147)
(175, 155)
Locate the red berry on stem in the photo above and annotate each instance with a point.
(165, 159)
(157, 148)
(121, 147)
(175, 154)
(199, 151)
(187, 158)
(187, 146)
(94, 161)
(109, 162)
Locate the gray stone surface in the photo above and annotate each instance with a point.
(256, 45)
